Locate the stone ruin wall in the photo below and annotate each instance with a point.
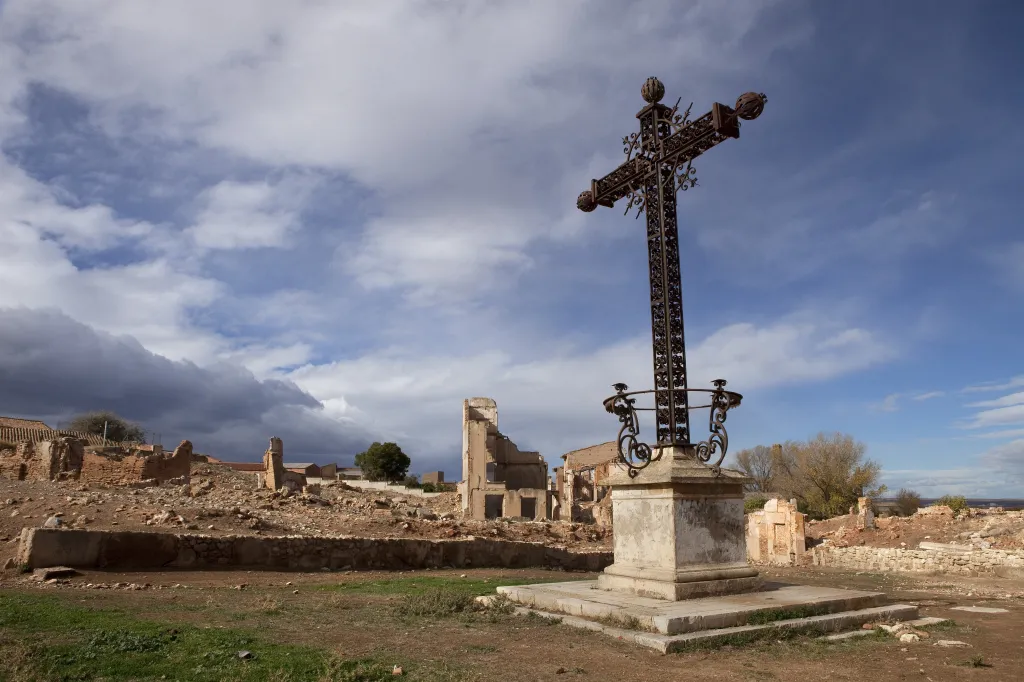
(43, 460)
(776, 535)
(127, 550)
(114, 467)
(996, 562)
(275, 476)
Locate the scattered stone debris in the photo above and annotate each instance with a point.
(54, 572)
(951, 643)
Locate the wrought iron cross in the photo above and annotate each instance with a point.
(659, 160)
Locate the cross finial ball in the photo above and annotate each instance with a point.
(653, 90)
(750, 105)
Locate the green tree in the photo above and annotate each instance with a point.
(118, 429)
(907, 502)
(383, 462)
(827, 474)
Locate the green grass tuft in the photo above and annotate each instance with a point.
(45, 637)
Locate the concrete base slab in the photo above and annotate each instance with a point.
(775, 602)
(673, 643)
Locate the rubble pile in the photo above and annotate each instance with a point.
(992, 528)
(222, 501)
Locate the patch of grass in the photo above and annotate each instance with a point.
(945, 625)
(535, 618)
(435, 603)
(743, 639)
(481, 648)
(268, 605)
(975, 661)
(624, 622)
(765, 616)
(421, 584)
(46, 637)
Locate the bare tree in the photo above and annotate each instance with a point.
(758, 463)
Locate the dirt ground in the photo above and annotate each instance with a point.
(350, 615)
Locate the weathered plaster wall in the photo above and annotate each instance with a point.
(134, 550)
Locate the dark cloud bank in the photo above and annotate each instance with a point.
(52, 367)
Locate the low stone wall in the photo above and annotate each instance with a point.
(955, 561)
(113, 466)
(112, 550)
(388, 487)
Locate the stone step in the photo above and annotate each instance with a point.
(775, 602)
(665, 644)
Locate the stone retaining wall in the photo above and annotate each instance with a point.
(122, 550)
(962, 562)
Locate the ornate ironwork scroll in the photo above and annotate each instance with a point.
(636, 455)
(659, 161)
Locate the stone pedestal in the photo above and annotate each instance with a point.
(679, 530)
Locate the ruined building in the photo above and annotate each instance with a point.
(775, 534)
(275, 475)
(497, 479)
(68, 457)
(138, 465)
(582, 494)
(43, 460)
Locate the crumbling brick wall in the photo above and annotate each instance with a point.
(114, 466)
(46, 460)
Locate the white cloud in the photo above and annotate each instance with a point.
(929, 395)
(436, 106)
(887, 404)
(238, 215)
(1002, 416)
(28, 206)
(1005, 401)
(1014, 382)
(555, 400)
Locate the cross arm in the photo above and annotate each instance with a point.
(711, 129)
(686, 144)
(619, 182)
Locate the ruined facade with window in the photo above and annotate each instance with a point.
(582, 494)
(498, 480)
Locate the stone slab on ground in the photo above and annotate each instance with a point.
(979, 609)
(927, 621)
(583, 599)
(667, 644)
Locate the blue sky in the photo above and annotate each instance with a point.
(333, 223)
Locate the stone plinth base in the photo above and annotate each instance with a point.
(582, 598)
(674, 591)
(668, 626)
(679, 530)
